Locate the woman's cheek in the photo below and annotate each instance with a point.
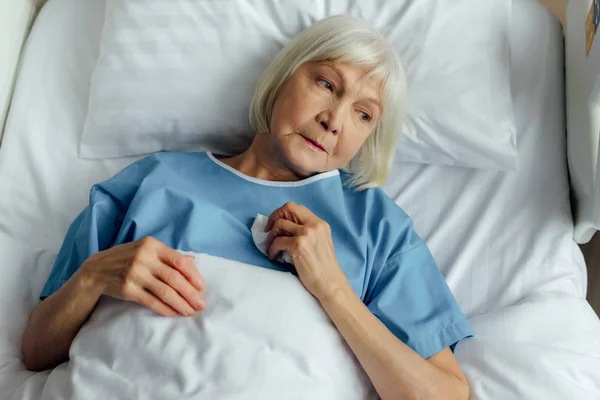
(357, 144)
(344, 151)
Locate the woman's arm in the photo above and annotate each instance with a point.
(55, 322)
(396, 371)
(146, 271)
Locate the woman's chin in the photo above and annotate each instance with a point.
(305, 161)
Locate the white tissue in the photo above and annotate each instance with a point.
(261, 238)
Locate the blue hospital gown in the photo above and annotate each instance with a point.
(194, 202)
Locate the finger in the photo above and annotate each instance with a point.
(169, 296)
(192, 274)
(283, 212)
(283, 227)
(153, 303)
(177, 281)
(182, 263)
(282, 243)
(292, 212)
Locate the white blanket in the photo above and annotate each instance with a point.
(261, 322)
(262, 336)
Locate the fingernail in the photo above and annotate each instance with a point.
(200, 304)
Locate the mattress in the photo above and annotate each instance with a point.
(503, 240)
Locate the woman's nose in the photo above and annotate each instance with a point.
(326, 127)
(330, 120)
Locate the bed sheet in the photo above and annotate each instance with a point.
(501, 239)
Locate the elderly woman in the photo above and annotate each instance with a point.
(327, 115)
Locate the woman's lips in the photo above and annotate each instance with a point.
(313, 145)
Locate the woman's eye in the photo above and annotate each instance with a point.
(365, 117)
(326, 84)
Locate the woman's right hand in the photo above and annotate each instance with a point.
(150, 273)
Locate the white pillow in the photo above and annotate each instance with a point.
(179, 75)
(262, 336)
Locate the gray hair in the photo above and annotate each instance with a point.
(350, 40)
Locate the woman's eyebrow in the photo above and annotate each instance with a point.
(372, 100)
(335, 69)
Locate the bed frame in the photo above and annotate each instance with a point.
(583, 95)
(583, 122)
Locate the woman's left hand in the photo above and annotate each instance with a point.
(307, 239)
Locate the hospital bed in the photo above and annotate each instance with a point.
(507, 242)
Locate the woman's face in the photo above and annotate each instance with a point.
(322, 115)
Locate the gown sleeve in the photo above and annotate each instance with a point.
(411, 297)
(97, 226)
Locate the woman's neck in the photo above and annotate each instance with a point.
(260, 162)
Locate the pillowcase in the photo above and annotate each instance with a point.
(262, 336)
(179, 75)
